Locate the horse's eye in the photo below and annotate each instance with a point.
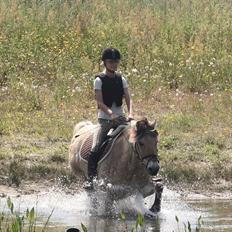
(141, 144)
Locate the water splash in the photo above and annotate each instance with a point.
(77, 208)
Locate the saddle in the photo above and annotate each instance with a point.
(106, 145)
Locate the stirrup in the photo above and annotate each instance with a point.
(88, 185)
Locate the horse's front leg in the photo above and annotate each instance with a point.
(147, 190)
(158, 196)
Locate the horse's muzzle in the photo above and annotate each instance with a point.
(153, 167)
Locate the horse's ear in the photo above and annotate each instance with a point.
(153, 125)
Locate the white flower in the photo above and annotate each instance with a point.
(134, 70)
(78, 89)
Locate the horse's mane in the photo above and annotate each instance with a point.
(139, 127)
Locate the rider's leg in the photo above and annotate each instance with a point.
(99, 137)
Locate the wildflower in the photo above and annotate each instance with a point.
(4, 89)
(211, 64)
(134, 70)
(188, 60)
(78, 89)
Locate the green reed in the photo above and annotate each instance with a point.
(16, 222)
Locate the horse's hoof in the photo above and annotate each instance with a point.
(155, 209)
(150, 215)
(88, 186)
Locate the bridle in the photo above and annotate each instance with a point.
(135, 147)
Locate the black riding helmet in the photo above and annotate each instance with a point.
(111, 53)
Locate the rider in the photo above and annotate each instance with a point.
(110, 89)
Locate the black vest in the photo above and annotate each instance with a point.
(112, 89)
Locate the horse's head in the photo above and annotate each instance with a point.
(145, 141)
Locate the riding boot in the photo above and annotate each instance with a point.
(92, 170)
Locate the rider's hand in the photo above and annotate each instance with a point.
(113, 116)
(130, 117)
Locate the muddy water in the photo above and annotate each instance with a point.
(72, 210)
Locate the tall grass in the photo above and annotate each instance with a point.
(50, 51)
(185, 44)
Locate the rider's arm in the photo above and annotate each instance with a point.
(128, 102)
(100, 103)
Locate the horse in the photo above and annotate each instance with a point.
(130, 162)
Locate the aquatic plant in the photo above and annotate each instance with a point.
(16, 222)
(188, 227)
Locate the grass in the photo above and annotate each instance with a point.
(176, 57)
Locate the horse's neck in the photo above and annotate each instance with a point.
(129, 152)
(134, 159)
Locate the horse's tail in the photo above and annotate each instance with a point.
(80, 125)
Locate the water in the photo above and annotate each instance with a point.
(72, 210)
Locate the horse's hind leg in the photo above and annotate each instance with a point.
(94, 203)
(109, 205)
(158, 196)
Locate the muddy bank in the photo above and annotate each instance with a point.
(31, 165)
(184, 190)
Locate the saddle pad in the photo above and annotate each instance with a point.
(86, 147)
(105, 148)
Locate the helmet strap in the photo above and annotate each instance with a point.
(109, 70)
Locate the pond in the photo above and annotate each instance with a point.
(72, 210)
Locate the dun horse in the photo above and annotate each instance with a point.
(130, 161)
